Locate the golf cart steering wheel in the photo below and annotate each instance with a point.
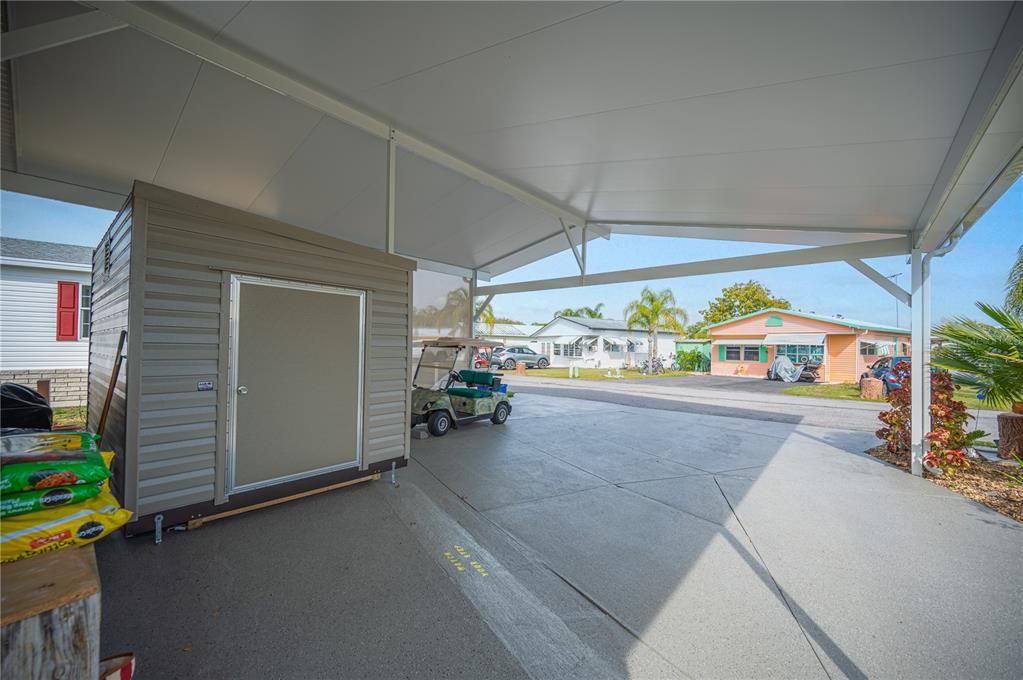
(453, 376)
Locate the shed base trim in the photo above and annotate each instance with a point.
(238, 501)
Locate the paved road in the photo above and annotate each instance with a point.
(748, 398)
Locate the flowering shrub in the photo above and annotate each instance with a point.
(948, 436)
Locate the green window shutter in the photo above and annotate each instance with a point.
(721, 352)
(763, 354)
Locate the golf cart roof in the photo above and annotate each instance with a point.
(461, 342)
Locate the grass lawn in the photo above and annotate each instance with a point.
(70, 416)
(967, 395)
(596, 374)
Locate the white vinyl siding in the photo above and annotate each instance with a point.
(28, 331)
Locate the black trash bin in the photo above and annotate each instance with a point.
(23, 409)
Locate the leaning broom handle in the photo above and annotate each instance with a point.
(101, 428)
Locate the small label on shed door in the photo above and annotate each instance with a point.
(204, 385)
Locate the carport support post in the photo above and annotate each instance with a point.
(920, 371)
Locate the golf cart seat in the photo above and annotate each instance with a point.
(469, 392)
(483, 378)
(475, 380)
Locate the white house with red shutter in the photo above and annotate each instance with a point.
(45, 298)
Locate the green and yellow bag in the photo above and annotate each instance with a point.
(41, 446)
(12, 504)
(75, 468)
(43, 531)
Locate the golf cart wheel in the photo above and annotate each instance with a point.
(500, 414)
(509, 365)
(543, 363)
(439, 423)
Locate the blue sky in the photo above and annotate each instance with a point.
(975, 270)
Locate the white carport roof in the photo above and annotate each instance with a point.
(881, 125)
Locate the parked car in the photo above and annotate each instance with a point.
(883, 370)
(507, 357)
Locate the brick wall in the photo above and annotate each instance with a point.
(68, 386)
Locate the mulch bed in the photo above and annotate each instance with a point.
(983, 482)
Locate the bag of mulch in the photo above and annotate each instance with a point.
(43, 446)
(12, 504)
(35, 533)
(74, 468)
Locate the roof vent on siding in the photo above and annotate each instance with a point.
(107, 246)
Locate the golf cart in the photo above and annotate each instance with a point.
(444, 397)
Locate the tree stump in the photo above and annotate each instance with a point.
(871, 388)
(1010, 435)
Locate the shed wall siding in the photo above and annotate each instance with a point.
(110, 301)
(28, 307)
(187, 254)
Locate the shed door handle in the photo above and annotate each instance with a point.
(242, 389)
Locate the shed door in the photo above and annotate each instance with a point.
(296, 381)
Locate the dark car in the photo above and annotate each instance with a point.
(507, 357)
(883, 369)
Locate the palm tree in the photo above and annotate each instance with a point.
(654, 312)
(487, 316)
(589, 312)
(1014, 286)
(988, 357)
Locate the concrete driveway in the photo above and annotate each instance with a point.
(589, 540)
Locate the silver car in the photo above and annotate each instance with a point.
(507, 357)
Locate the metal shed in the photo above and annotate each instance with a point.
(263, 359)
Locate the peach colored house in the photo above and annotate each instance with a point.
(746, 345)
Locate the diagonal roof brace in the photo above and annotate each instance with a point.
(881, 280)
(579, 260)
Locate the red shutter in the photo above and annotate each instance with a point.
(67, 310)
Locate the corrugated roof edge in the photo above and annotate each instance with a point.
(851, 323)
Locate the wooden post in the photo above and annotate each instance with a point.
(51, 608)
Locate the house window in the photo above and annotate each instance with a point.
(85, 311)
(868, 349)
(751, 353)
(801, 354)
(733, 352)
(557, 350)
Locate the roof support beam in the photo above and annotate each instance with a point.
(392, 177)
(881, 280)
(187, 40)
(33, 185)
(1003, 66)
(897, 231)
(56, 33)
(785, 258)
